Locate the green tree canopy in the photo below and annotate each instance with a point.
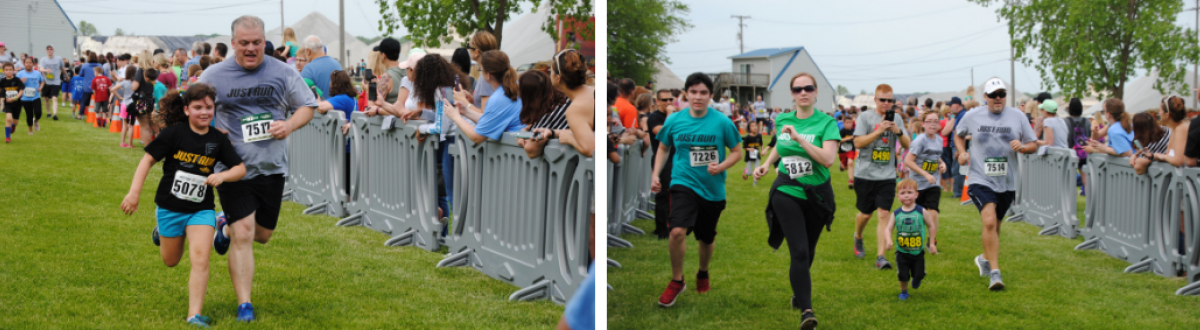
(86, 29)
(119, 32)
(1099, 43)
(638, 30)
(429, 22)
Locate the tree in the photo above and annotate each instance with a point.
(119, 32)
(86, 29)
(1100, 42)
(429, 22)
(638, 30)
(842, 90)
(368, 41)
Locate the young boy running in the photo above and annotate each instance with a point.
(911, 230)
(189, 149)
(700, 138)
(100, 85)
(924, 160)
(11, 102)
(751, 144)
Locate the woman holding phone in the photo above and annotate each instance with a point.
(432, 79)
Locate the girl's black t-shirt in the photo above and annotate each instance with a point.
(751, 141)
(182, 150)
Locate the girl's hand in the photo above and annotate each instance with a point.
(461, 97)
(545, 134)
(215, 180)
(130, 204)
(760, 171)
(346, 129)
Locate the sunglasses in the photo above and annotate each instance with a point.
(809, 88)
(665, 100)
(997, 95)
(886, 100)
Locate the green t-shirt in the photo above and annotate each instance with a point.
(795, 162)
(910, 230)
(698, 142)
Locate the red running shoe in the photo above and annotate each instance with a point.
(673, 290)
(702, 285)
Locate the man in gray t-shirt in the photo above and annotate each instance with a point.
(875, 169)
(255, 96)
(997, 133)
(52, 69)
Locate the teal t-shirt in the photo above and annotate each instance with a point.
(160, 90)
(910, 230)
(698, 142)
(794, 160)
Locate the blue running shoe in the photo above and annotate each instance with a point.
(903, 296)
(220, 239)
(154, 235)
(199, 321)
(245, 312)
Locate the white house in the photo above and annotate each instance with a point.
(768, 71)
(42, 20)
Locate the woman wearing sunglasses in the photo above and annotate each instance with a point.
(801, 199)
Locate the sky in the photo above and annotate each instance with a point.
(915, 46)
(162, 17)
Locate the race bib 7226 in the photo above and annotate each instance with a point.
(703, 155)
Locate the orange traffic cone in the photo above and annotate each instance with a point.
(114, 126)
(965, 199)
(137, 130)
(91, 118)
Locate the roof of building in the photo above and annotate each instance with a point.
(767, 52)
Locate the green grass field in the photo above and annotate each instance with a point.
(1049, 285)
(73, 260)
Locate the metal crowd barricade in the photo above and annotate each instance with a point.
(1046, 191)
(616, 193)
(1128, 218)
(531, 225)
(646, 197)
(396, 192)
(631, 185)
(1188, 199)
(315, 168)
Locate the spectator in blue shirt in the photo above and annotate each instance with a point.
(503, 112)
(1120, 132)
(320, 65)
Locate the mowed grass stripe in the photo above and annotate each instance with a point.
(73, 260)
(1049, 285)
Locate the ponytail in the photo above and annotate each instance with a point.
(1116, 108)
(495, 63)
(175, 101)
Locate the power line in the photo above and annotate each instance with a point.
(924, 61)
(929, 74)
(703, 51)
(182, 11)
(919, 46)
(865, 22)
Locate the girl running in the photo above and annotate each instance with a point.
(189, 150)
(752, 144)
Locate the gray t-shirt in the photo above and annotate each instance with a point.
(272, 88)
(928, 152)
(55, 64)
(993, 162)
(878, 160)
(482, 88)
(1059, 127)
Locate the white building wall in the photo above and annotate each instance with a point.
(50, 26)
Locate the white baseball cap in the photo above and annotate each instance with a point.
(992, 85)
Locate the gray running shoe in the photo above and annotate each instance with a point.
(858, 248)
(881, 263)
(982, 263)
(996, 284)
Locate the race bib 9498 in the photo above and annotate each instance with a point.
(702, 156)
(255, 127)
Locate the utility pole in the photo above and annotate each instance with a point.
(281, 18)
(741, 43)
(29, 23)
(1012, 62)
(342, 32)
(973, 74)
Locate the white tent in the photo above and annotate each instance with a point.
(317, 24)
(1140, 95)
(524, 41)
(665, 79)
(865, 100)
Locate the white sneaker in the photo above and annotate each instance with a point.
(984, 268)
